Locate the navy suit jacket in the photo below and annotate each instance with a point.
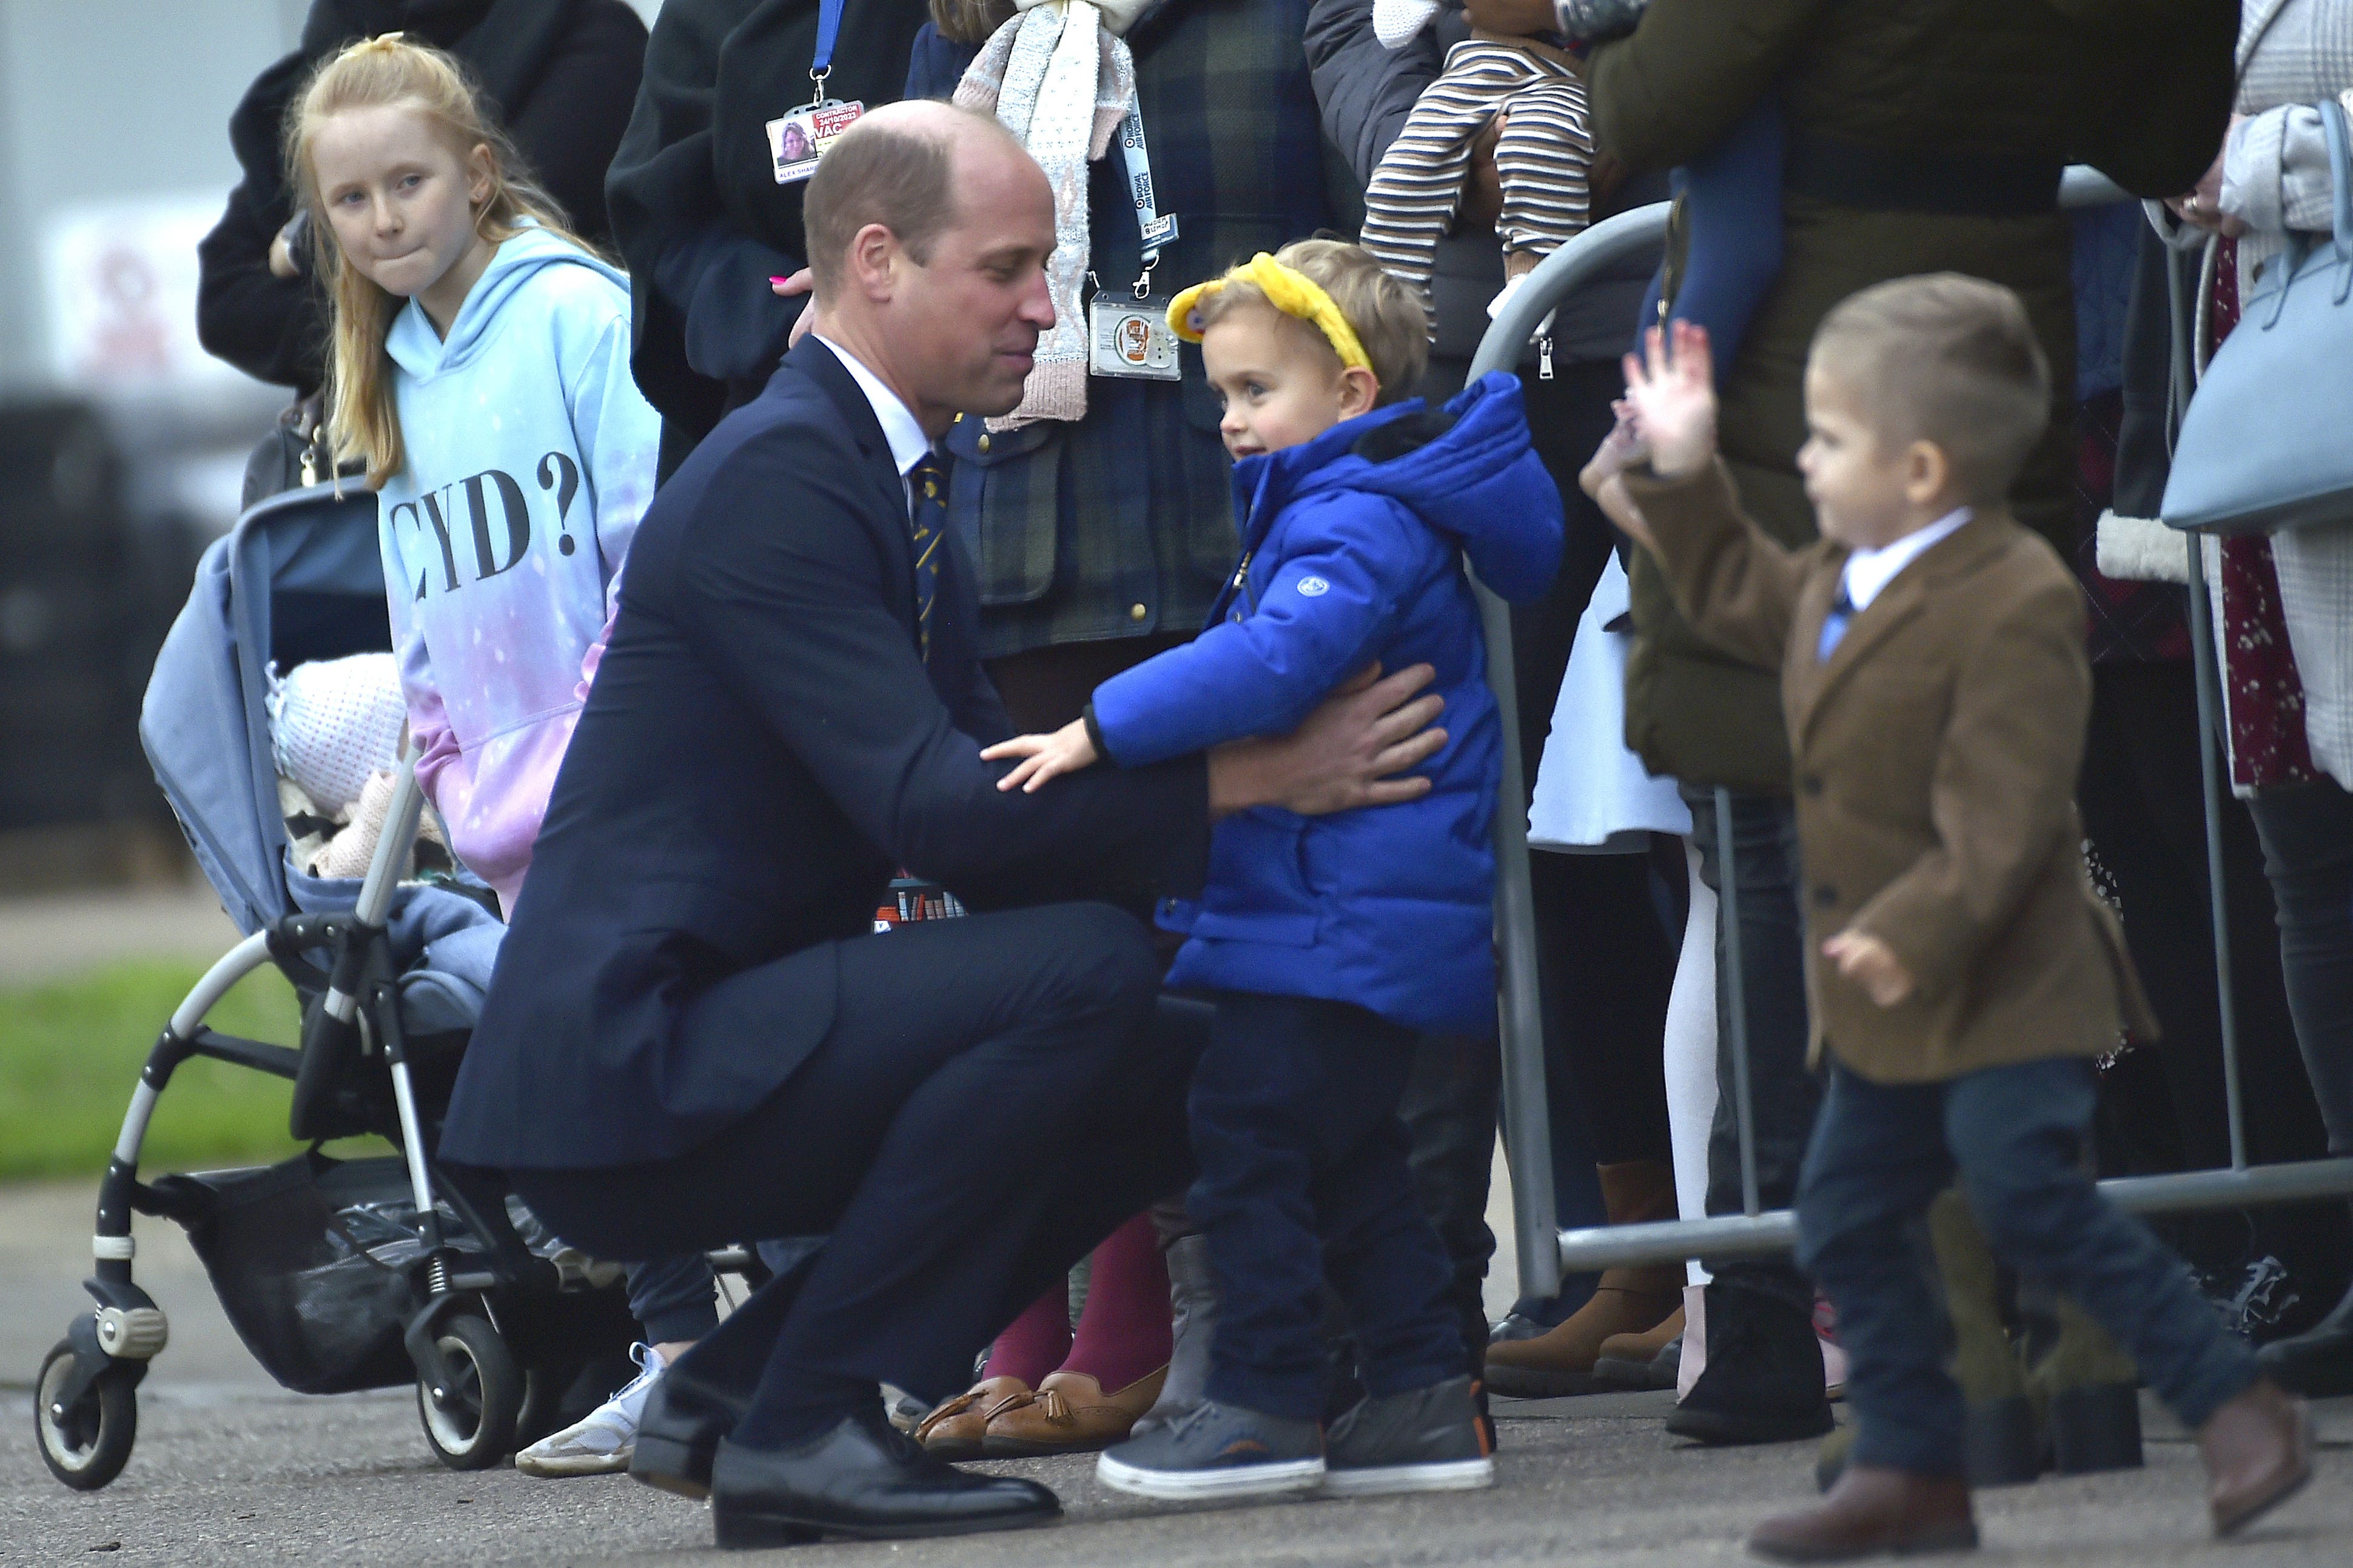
(762, 747)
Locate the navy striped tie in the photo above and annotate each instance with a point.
(928, 483)
(1834, 625)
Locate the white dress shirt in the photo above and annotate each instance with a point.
(1868, 572)
(909, 445)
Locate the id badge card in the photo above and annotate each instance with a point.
(1130, 337)
(796, 141)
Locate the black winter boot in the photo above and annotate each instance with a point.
(1763, 1381)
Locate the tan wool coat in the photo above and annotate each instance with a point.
(1935, 754)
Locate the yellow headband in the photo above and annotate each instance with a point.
(1286, 288)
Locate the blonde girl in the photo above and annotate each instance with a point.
(478, 366)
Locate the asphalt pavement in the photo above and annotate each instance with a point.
(231, 1470)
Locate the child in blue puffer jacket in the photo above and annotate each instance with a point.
(1330, 942)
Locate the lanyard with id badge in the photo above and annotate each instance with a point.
(1129, 336)
(797, 139)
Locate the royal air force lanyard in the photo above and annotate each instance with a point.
(1130, 337)
(796, 140)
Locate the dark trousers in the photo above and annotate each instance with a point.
(2143, 808)
(2308, 836)
(2017, 1136)
(943, 1225)
(1784, 1093)
(1449, 1108)
(673, 1298)
(1304, 1178)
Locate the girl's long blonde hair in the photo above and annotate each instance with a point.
(363, 419)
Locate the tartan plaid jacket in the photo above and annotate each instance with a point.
(1123, 524)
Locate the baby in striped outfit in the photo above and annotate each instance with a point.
(1542, 154)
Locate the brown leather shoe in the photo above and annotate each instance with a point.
(954, 1430)
(1874, 1509)
(1070, 1414)
(2258, 1452)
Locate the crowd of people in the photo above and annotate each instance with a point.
(1028, 444)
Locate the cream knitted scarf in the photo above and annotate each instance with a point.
(1059, 79)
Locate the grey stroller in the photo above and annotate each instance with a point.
(337, 1274)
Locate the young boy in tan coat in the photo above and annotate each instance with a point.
(1961, 971)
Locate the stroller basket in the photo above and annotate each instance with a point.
(318, 1262)
(310, 1261)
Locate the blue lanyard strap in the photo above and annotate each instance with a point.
(1158, 231)
(828, 28)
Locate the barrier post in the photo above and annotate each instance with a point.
(1528, 1122)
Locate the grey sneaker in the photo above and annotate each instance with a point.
(600, 1442)
(1218, 1451)
(1424, 1440)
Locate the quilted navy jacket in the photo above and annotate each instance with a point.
(1353, 547)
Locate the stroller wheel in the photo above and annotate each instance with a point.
(85, 1443)
(471, 1424)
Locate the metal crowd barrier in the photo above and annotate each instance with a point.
(1545, 1251)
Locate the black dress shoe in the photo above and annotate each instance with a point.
(698, 1398)
(2318, 1362)
(864, 1479)
(680, 1430)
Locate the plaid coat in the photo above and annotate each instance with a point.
(1123, 524)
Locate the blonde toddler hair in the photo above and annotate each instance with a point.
(362, 421)
(1386, 315)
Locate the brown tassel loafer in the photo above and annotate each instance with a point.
(1070, 1414)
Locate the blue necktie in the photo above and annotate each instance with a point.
(1834, 624)
(928, 481)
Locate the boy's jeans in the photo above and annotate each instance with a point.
(1304, 1177)
(2017, 1134)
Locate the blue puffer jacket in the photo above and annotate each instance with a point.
(1352, 546)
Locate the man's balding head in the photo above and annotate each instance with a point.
(896, 167)
(928, 230)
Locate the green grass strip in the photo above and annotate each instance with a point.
(70, 1054)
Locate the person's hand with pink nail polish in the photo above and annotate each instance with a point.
(801, 282)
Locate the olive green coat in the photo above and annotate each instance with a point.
(2140, 88)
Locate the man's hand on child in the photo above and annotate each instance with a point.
(1066, 750)
(1674, 399)
(1871, 964)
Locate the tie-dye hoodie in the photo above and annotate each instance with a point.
(530, 458)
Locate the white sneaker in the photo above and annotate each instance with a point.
(601, 1443)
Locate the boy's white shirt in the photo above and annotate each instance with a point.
(1868, 572)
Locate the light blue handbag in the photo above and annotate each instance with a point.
(2265, 444)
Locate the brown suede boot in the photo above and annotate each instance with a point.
(1628, 1300)
(1872, 1510)
(2258, 1453)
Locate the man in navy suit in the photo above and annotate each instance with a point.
(694, 1036)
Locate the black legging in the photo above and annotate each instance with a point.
(2308, 836)
(2140, 795)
